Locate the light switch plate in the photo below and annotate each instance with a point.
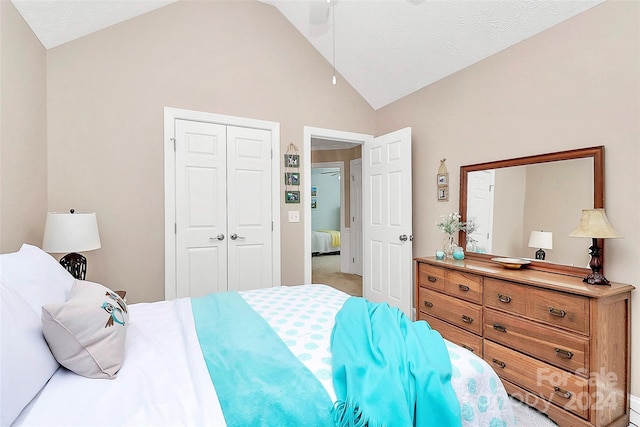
(294, 216)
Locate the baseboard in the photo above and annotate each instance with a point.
(635, 410)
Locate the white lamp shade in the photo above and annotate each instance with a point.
(70, 232)
(594, 224)
(541, 240)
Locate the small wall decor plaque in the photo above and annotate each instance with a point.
(443, 182)
(443, 194)
(292, 196)
(291, 160)
(291, 178)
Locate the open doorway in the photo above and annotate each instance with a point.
(330, 220)
(387, 262)
(333, 256)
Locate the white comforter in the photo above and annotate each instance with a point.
(164, 380)
(322, 243)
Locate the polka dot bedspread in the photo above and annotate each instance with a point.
(303, 317)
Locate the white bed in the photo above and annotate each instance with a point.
(323, 242)
(163, 380)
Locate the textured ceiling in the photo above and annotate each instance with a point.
(386, 49)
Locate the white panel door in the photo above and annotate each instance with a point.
(249, 208)
(387, 220)
(201, 211)
(480, 207)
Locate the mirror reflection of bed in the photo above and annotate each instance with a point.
(326, 239)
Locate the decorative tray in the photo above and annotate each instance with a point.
(511, 263)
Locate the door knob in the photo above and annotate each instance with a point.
(404, 238)
(219, 237)
(234, 236)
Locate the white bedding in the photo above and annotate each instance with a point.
(321, 243)
(164, 380)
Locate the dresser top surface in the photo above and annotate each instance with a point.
(531, 277)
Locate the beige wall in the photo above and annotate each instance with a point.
(23, 143)
(574, 85)
(106, 94)
(555, 195)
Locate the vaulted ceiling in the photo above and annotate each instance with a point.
(385, 49)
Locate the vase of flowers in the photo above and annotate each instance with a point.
(450, 224)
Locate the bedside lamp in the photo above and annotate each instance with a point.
(71, 232)
(594, 224)
(541, 240)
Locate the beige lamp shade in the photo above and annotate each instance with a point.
(70, 232)
(541, 240)
(594, 224)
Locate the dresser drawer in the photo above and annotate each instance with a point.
(431, 277)
(454, 334)
(460, 313)
(505, 295)
(559, 348)
(566, 390)
(559, 309)
(465, 286)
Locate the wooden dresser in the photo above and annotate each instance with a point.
(558, 344)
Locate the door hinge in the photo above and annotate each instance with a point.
(173, 141)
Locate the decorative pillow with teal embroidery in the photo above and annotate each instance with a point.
(87, 333)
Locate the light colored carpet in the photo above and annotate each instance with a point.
(529, 417)
(326, 270)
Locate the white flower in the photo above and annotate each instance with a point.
(450, 224)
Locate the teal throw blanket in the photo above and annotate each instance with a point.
(258, 380)
(389, 371)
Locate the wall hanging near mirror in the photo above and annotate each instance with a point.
(443, 182)
(292, 174)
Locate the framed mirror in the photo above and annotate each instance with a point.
(526, 207)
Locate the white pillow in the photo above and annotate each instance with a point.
(36, 276)
(25, 360)
(87, 333)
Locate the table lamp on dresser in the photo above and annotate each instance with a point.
(541, 240)
(71, 232)
(594, 224)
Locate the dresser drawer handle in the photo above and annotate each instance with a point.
(467, 319)
(562, 393)
(500, 328)
(504, 298)
(468, 348)
(428, 304)
(499, 363)
(463, 288)
(432, 278)
(565, 354)
(556, 312)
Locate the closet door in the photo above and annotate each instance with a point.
(201, 208)
(249, 208)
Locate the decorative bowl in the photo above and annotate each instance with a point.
(511, 263)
